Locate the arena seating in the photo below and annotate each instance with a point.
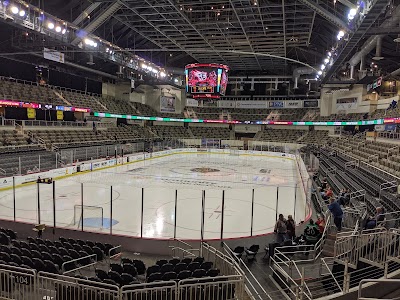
(49, 256)
(117, 106)
(171, 131)
(315, 137)
(144, 110)
(12, 138)
(28, 161)
(82, 100)
(280, 135)
(67, 138)
(214, 132)
(29, 92)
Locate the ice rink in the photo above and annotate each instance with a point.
(171, 190)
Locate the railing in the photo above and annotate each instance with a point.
(7, 122)
(387, 186)
(386, 286)
(79, 263)
(253, 287)
(389, 135)
(80, 124)
(20, 283)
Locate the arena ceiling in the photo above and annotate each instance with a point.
(247, 35)
(176, 32)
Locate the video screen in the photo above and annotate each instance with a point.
(202, 80)
(206, 80)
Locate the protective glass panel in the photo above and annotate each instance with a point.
(237, 213)
(265, 201)
(213, 214)
(67, 195)
(127, 207)
(158, 212)
(188, 220)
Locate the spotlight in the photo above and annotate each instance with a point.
(107, 49)
(340, 35)
(322, 67)
(329, 54)
(144, 66)
(14, 10)
(176, 80)
(58, 29)
(94, 45)
(326, 60)
(50, 25)
(319, 72)
(162, 74)
(352, 13)
(64, 31)
(22, 13)
(88, 42)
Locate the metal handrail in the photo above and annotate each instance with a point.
(366, 281)
(93, 262)
(235, 260)
(189, 254)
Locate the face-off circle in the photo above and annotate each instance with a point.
(204, 170)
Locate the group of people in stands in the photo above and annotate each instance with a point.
(286, 230)
(343, 200)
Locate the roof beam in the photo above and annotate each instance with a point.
(244, 32)
(100, 19)
(86, 13)
(326, 14)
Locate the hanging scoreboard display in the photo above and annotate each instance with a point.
(206, 80)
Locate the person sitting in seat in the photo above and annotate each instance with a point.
(374, 221)
(311, 233)
(321, 223)
(327, 193)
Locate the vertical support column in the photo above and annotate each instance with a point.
(82, 206)
(111, 209)
(252, 212)
(202, 215)
(38, 201)
(276, 207)
(14, 200)
(222, 214)
(19, 165)
(39, 163)
(54, 208)
(176, 208)
(141, 214)
(295, 202)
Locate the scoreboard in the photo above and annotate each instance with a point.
(206, 80)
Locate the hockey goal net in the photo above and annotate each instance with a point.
(93, 216)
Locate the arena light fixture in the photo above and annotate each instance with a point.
(50, 25)
(14, 9)
(144, 66)
(329, 54)
(63, 31)
(352, 13)
(58, 29)
(162, 74)
(176, 80)
(319, 72)
(22, 13)
(322, 67)
(326, 60)
(340, 35)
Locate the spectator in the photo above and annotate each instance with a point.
(280, 229)
(7, 142)
(324, 184)
(321, 223)
(337, 212)
(327, 193)
(311, 233)
(393, 105)
(372, 222)
(291, 227)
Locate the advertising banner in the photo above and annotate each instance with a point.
(310, 103)
(276, 104)
(294, 104)
(53, 55)
(251, 104)
(346, 103)
(167, 104)
(31, 112)
(226, 104)
(192, 102)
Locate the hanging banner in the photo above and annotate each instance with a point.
(276, 104)
(226, 104)
(310, 103)
(251, 104)
(294, 104)
(31, 113)
(192, 102)
(346, 103)
(53, 55)
(60, 115)
(167, 104)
